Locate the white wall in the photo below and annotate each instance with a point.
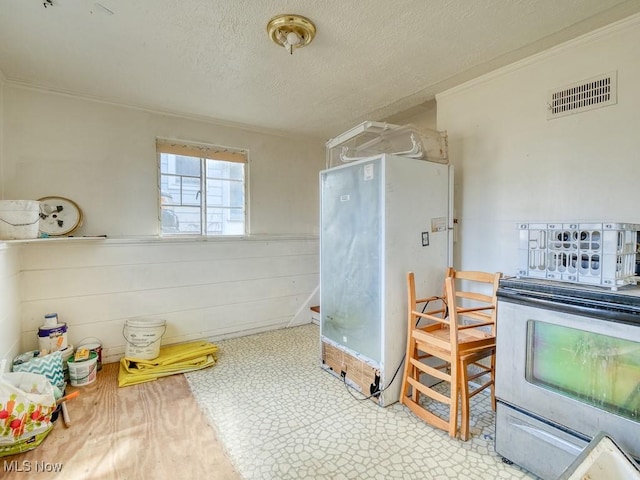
(2, 80)
(9, 295)
(513, 165)
(10, 327)
(103, 157)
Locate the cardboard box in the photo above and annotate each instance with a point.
(359, 374)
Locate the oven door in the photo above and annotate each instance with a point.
(576, 371)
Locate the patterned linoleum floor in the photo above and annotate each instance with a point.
(280, 416)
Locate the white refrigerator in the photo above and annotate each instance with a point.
(380, 217)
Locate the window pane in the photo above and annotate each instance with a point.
(187, 166)
(215, 221)
(216, 192)
(180, 194)
(170, 189)
(190, 191)
(166, 198)
(225, 170)
(236, 171)
(170, 221)
(183, 195)
(220, 223)
(236, 215)
(236, 194)
(188, 219)
(164, 163)
(216, 168)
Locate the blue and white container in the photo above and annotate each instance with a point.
(53, 338)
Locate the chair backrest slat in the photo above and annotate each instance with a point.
(468, 302)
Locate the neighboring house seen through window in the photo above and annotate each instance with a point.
(202, 189)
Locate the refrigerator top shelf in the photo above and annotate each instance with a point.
(373, 138)
(374, 129)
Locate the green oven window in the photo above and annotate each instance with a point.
(599, 370)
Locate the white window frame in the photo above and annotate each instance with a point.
(204, 153)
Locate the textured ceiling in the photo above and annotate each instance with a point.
(370, 59)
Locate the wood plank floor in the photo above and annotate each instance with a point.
(152, 430)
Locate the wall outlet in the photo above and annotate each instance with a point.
(425, 239)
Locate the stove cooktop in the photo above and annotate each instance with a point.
(621, 305)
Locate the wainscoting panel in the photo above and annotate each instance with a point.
(203, 289)
(9, 304)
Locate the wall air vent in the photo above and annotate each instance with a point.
(579, 97)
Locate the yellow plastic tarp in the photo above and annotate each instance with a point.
(185, 357)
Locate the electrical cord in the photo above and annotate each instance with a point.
(377, 393)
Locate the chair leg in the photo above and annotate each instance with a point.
(415, 374)
(409, 369)
(453, 407)
(464, 397)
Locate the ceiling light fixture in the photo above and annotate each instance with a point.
(291, 31)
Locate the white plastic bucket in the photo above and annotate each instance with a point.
(143, 337)
(83, 372)
(19, 219)
(93, 344)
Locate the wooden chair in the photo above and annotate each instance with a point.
(461, 332)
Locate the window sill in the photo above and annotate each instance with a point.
(160, 239)
(229, 238)
(55, 239)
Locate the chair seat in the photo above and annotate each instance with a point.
(468, 340)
